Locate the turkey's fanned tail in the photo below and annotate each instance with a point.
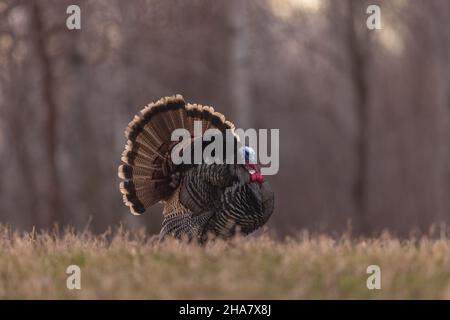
(147, 165)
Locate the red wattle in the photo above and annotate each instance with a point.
(256, 176)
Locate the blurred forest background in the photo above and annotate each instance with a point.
(364, 116)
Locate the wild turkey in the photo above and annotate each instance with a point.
(201, 200)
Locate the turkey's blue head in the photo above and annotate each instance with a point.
(248, 154)
(250, 162)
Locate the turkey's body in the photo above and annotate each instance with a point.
(216, 207)
(201, 201)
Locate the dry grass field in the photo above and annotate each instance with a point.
(120, 266)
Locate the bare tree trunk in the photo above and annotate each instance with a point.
(442, 11)
(24, 160)
(358, 54)
(240, 63)
(47, 82)
(14, 131)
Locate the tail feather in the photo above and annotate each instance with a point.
(147, 166)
